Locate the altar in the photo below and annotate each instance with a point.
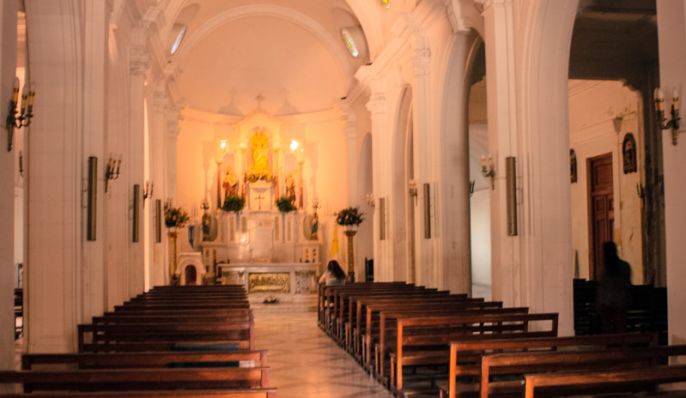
(263, 236)
(289, 282)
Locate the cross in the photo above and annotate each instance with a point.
(259, 201)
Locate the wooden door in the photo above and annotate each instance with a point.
(601, 210)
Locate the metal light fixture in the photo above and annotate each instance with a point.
(147, 192)
(674, 121)
(18, 119)
(112, 170)
(370, 200)
(488, 168)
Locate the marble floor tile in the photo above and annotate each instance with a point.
(304, 362)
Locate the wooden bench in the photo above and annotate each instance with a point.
(137, 379)
(515, 366)
(617, 380)
(325, 298)
(227, 393)
(118, 360)
(430, 334)
(465, 356)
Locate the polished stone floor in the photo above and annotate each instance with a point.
(304, 361)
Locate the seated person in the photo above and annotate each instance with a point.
(334, 274)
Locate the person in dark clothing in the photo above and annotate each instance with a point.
(614, 291)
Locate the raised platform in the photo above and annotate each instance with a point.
(286, 282)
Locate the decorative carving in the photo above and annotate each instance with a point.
(305, 282)
(269, 282)
(233, 277)
(629, 154)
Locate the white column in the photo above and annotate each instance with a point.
(671, 18)
(92, 275)
(139, 63)
(54, 191)
(8, 173)
(452, 203)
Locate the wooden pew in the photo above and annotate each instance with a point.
(517, 365)
(436, 333)
(118, 360)
(324, 296)
(387, 340)
(227, 393)
(465, 355)
(137, 379)
(617, 380)
(375, 322)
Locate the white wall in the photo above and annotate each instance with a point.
(592, 107)
(671, 17)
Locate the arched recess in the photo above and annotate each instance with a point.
(454, 146)
(479, 184)
(403, 208)
(365, 173)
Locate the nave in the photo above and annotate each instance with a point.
(304, 362)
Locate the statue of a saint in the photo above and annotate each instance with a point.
(230, 184)
(290, 186)
(259, 144)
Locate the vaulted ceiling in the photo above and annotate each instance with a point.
(278, 56)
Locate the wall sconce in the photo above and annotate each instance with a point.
(370, 200)
(112, 170)
(412, 190)
(472, 185)
(488, 168)
(147, 192)
(674, 121)
(22, 118)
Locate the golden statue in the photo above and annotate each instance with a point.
(259, 144)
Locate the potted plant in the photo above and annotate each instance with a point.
(234, 203)
(174, 218)
(350, 217)
(285, 204)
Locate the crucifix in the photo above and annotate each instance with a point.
(259, 201)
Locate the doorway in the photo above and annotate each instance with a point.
(601, 209)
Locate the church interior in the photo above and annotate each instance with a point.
(446, 153)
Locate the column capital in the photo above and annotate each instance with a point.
(139, 60)
(421, 61)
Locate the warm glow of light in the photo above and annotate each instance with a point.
(294, 145)
(223, 145)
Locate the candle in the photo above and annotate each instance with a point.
(24, 98)
(15, 90)
(659, 100)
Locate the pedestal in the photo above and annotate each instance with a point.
(350, 233)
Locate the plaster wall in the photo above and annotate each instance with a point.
(592, 107)
(671, 17)
(8, 172)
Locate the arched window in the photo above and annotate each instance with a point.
(180, 33)
(349, 42)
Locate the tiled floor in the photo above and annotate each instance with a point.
(304, 361)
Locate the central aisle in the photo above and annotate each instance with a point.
(304, 361)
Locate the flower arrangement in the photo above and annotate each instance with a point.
(255, 176)
(285, 203)
(174, 217)
(234, 203)
(349, 216)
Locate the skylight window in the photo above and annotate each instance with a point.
(181, 33)
(350, 43)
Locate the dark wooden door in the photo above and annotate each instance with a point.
(601, 209)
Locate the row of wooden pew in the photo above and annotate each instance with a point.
(418, 341)
(181, 341)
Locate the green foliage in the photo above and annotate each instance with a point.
(175, 217)
(234, 203)
(285, 203)
(349, 216)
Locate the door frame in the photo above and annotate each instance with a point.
(589, 202)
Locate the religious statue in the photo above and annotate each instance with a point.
(259, 146)
(290, 186)
(314, 227)
(209, 224)
(230, 184)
